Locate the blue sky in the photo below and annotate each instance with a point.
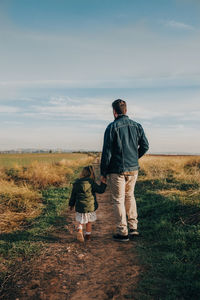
(62, 63)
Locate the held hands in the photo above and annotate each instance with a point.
(103, 179)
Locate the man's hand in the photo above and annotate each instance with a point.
(103, 179)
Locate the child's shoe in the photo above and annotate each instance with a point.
(80, 236)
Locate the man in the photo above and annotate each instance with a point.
(124, 143)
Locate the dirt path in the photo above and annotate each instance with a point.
(99, 269)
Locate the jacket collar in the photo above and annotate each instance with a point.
(121, 116)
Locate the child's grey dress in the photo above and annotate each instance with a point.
(84, 218)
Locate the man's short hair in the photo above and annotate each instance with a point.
(119, 106)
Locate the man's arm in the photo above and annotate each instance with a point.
(107, 151)
(99, 189)
(143, 143)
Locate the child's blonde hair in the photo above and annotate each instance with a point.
(88, 171)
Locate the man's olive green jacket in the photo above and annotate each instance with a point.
(83, 194)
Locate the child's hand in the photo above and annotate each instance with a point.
(103, 179)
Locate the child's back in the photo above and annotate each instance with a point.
(83, 194)
(83, 197)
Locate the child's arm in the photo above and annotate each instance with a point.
(100, 189)
(72, 199)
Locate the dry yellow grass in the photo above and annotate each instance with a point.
(19, 185)
(41, 175)
(45, 174)
(185, 168)
(2, 174)
(75, 163)
(17, 203)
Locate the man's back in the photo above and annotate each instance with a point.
(124, 143)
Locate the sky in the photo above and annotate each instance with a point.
(63, 62)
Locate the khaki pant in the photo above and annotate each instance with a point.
(122, 193)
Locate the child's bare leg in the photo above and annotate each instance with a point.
(89, 227)
(80, 236)
(79, 227)
(88, 230)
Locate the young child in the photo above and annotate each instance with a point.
(84, 199)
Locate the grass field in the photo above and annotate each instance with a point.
(168, 197)
(34, 194)
(25, 159)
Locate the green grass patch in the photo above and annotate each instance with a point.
(170, 241)
(26, 242)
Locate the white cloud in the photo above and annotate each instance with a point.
(99, 108)
(11, 89)
(192, 116)
(59, 100)
(8, 109)
(179, 25)
(13, 123)
(85, 109)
